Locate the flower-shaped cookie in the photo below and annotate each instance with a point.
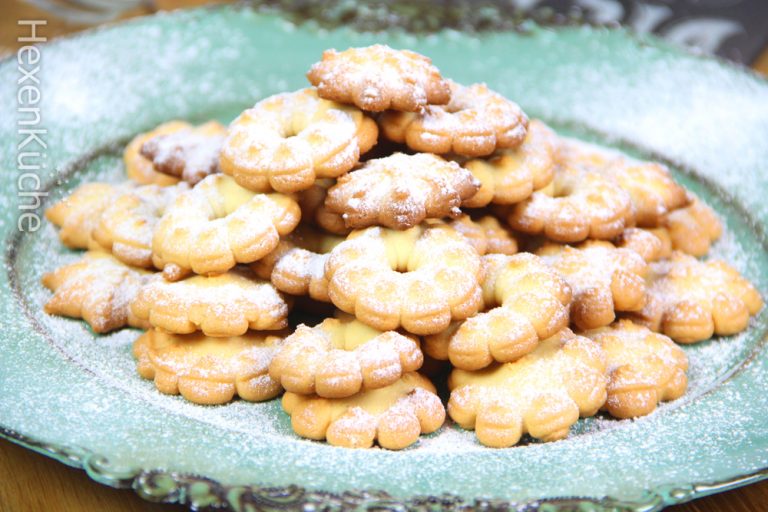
(377, 78)
(223, 305)
(297, 265)
(692, 229)
(394, 415)
(78, 214)
(97, 288)
(476, 122)
(218, 224)
(644, 368)
(512, 175)
(604, 279)
(486, 234)
(314, 211)
(653, 191)
(340, 357)
(645, 242)
(577, 205)
(207, 370)
(390, 279)
(288, 140)
(690, 300)
(542, 394)
(190, 154)
(139, 168)
(126, 226)
(533, 305)
(400, 191)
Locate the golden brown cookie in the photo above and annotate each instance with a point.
(218, 224)
(394, 416)
(314, 211)
(297, 265)
(223, 305)
(377, 78)
(577, 205)
(341, 357)
(512, 175)
(543, 394)
(653, 191)
(97, 288)
(692, 229)
(78, 214)
(207, 370)
(126, 226)
(644, 368)
(476, 122)
(690, 300)
(532, 303)
(189, 154)
(400, 191)
(645, 242)
(486, 234)
(390, 279)
(287, 141)
(140, 169)
(604, 279)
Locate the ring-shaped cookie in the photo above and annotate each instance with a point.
(390, 279)
(218, 224)
(532, 304)
(223, 305)
(342, 356)
(394, 416)
(512, 175)
(207, 370)
(476, 122)
(287, 141)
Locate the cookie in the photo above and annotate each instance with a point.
(690, 300)
(341, 357)
(394, 416)
(645, 242)
(400, 191)
(376, 78)
(189, 154)
(529, 303)
(287, 141)
(207, 370)
(78, 214)
(218, 224)
(644, 368)
(223, 305)
(650, 185)
(297, 265)
(476, 122)
(577, 205)
(692, 229)
(314, 211)
(126, 226)
(140, 169)
(604, 279)
(97, 288)
(390, 279)
(512, 175)
(486, 234)
(542, 394)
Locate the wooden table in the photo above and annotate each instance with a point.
(30, 482)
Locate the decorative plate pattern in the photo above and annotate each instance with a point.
(74, 396)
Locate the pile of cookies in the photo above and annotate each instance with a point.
(436, 236)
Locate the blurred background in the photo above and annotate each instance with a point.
(733, 29)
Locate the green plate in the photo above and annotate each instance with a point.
(76, 396)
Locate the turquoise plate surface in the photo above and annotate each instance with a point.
(76, 397)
